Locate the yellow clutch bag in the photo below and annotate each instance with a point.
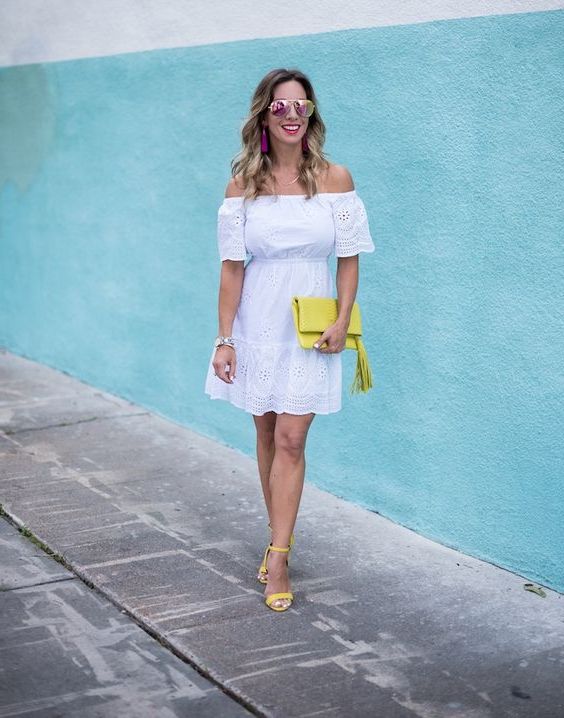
(312, 316)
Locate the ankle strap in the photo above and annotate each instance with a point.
(279, 548)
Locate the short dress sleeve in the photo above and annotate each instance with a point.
(231, 229)
(352, 233)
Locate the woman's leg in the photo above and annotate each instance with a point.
(265, 451)
(286, 485)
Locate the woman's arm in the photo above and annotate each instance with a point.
(347, 285)
(230, 285)
(347, 278)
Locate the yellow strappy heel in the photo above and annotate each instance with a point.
(262, 572)
(287, 595)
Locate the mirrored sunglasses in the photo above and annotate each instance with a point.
(280, 107)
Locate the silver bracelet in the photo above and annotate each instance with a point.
(220, 341)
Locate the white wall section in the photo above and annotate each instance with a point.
(34, 31)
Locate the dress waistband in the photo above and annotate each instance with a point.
(297, 260)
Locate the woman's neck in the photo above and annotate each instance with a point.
(286, 160)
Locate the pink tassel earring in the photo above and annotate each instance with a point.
(305, 146)
(264, 141)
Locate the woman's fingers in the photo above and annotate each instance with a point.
(232, 365)
(335, 344)
(224, 365)
(222, 371)
(322, 339)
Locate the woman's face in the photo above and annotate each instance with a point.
(290, 90)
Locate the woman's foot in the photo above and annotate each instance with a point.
(277, 579)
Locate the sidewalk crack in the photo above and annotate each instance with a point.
(40, 583)
(12, 432)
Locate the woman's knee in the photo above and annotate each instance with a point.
(291, 439)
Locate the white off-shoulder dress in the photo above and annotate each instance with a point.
(289, 239)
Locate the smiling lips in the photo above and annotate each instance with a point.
(291, 129)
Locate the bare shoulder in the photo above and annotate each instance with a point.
(234, 188)
(338, 179)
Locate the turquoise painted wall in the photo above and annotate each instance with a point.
(112, 172)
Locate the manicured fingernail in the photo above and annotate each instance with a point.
(316, 346)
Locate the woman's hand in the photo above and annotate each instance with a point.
(224, 363)
(335, 335)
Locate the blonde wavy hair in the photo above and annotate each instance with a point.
(253, 167)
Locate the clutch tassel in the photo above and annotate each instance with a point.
(363, 375)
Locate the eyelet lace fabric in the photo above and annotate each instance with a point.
(352, 232)
(282, 378)
(289, 239)
(231, 231)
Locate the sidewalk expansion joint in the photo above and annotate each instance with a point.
(151, 631)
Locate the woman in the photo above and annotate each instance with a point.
(290, 209)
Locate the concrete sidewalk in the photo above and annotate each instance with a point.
(170, 528)
(68, 651)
